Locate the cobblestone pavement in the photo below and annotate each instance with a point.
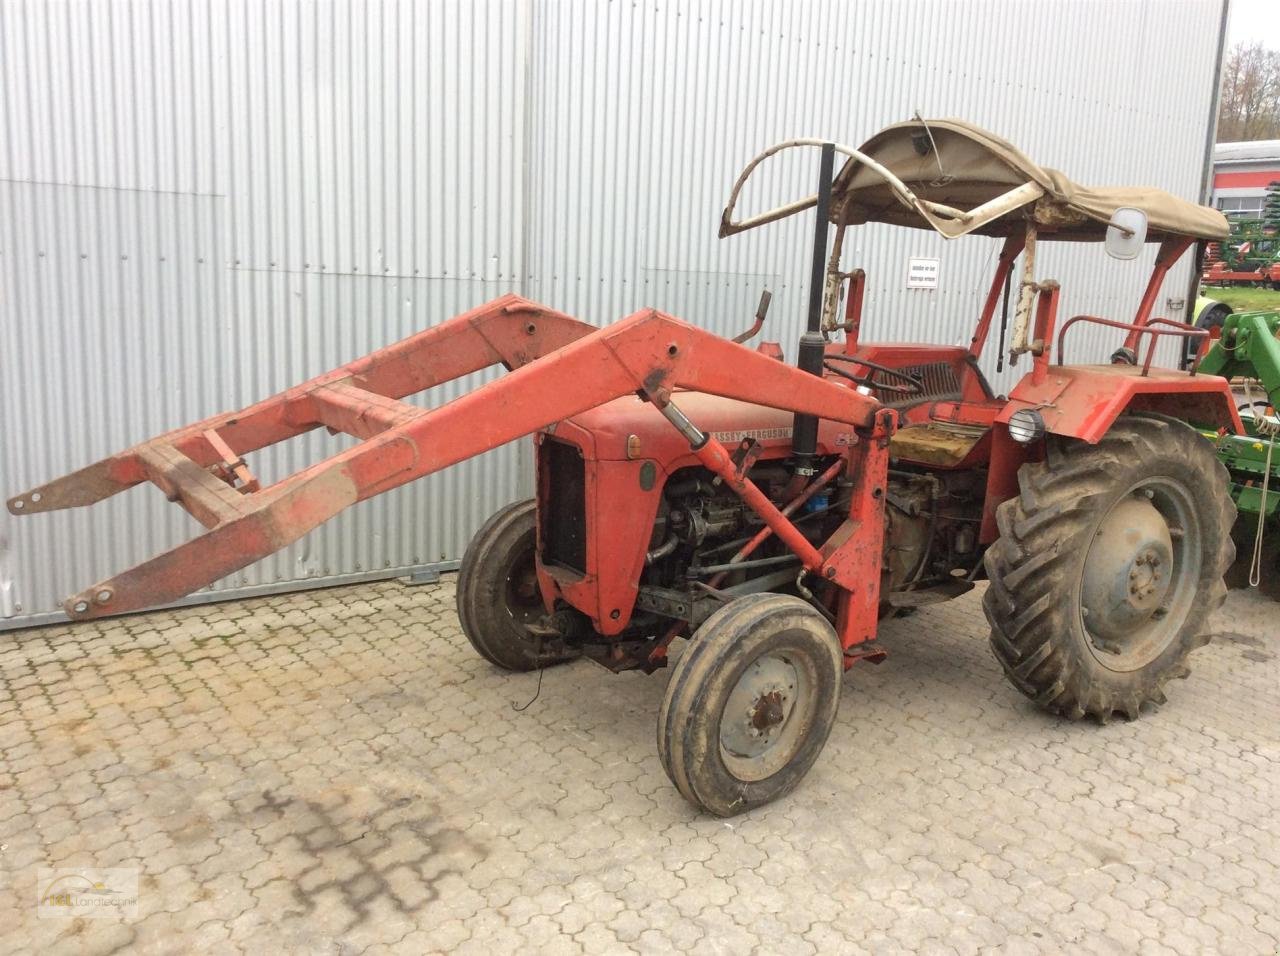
(336, 772)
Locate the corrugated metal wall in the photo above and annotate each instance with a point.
(202, 203)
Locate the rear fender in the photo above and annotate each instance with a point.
(1082, 401)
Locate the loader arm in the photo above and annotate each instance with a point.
(559, 367)
(508, 330)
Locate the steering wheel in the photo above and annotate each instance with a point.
(911, 386)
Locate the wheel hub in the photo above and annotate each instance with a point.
(1127, 573)
(758, 707)
(768, 712)
(522, 597)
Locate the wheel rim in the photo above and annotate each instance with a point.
(520, 594)
(767, 714)
(1140, 574)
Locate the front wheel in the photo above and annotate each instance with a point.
(1108, 565)
(498, 594)
(750, 704)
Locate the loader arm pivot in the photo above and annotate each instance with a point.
(558, 367)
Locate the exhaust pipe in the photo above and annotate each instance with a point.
(804, 430)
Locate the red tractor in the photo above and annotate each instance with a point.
(692, 486)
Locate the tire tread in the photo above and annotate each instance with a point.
(1047, 523)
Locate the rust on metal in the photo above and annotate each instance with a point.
(232, 467)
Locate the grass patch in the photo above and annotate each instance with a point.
(1243, 298)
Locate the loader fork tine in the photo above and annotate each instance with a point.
(224, 549)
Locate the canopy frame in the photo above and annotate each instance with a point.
(947, 220)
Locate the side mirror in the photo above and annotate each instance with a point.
(1126, 233)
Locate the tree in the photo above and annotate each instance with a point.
(1250, 101)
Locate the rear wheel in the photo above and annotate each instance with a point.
(498, 593)
(1108, 565)
(750, 704)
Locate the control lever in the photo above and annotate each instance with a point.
(761, 310)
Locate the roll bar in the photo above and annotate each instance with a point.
(946, 220)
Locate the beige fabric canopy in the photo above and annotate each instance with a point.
(957, 164)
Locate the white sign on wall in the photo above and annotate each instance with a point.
(922, 273)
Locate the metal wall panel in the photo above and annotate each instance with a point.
(204, 202)
(638, 158)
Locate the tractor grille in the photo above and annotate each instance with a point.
(564, 515)
(940, 384)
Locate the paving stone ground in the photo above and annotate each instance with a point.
(336, 772)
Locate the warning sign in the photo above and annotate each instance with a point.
(922, 273)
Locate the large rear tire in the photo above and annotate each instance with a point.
(750, 704)
(498, 592)
(1108, 565)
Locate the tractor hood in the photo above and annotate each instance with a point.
(632, 428)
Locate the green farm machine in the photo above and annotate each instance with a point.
(1248, 352)
(1250, 256)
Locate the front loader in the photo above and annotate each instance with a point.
(690, 486)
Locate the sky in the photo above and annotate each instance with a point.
(1253, 21)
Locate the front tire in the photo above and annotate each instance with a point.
(750, 704)
(1108, 565)
(498, 592)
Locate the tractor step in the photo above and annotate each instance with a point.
(871, 651)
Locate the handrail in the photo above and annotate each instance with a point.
(1180, 329)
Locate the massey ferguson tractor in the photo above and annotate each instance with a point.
(691, 486)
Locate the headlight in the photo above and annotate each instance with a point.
(1026, 425)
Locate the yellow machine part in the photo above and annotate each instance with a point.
(933, 443)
